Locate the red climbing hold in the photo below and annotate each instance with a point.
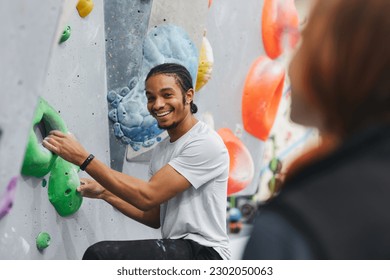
(261, 96)
(241, 168)
(279, 19)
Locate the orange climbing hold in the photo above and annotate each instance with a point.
(279, 19)
(206, 61)
(84, 7)
(241, 168)
(210, 2)
(261, 96)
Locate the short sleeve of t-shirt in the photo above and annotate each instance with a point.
(201, 160)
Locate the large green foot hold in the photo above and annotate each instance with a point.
(63, 182)
(37, 159)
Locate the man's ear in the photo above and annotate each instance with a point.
(190, 95)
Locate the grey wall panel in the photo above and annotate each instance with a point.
(233, 29)
(76, 87)
(126, 24)
(28, 31)
(189, 15)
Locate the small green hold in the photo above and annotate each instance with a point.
(274, 185)
(43, 240)
(63, 183)
(275, 165)
(44, 183)
(66, 34)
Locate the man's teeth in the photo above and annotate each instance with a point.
(162, 114)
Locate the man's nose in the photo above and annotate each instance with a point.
(158, 103)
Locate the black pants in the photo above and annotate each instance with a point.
(152, 249)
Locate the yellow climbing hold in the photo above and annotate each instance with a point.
(206, 61)
(84, 7)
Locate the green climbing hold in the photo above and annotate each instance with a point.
(66, 34)
(43, 240)
(63, 183)
(44, 183)
(275, 165)
(37, 159)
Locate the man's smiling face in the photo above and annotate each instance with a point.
(166, 102)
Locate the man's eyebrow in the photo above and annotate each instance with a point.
(161, 90)
(165, 89)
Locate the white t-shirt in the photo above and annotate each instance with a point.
(198, 213)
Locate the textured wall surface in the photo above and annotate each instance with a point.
(76, 77)
(103, 53)
(24, 57)
(76, 87)
(126, 25)
(233, 29)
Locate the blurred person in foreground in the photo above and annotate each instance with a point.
(335, 199)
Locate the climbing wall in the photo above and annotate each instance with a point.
(233, 30)
(31, 30)
(172, 34)
(101, 52)
(286, 140)
(248, 92)
(21, 82)
(92, 78)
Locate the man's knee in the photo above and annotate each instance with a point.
(94, 251)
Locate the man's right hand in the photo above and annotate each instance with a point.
(90, 188)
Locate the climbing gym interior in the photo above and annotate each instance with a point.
(79, 66)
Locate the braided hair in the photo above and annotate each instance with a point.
(182, 76)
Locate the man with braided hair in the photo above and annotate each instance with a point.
(186, 193)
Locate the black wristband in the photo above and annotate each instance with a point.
(86, 162)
